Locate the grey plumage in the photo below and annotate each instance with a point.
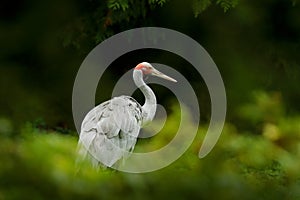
(110, 130)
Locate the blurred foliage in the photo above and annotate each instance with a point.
(41, 165)
(201, 5)
(266, 107)
(104, 19)
(255, 45)
(121, 15)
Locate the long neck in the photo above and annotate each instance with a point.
(149, 108)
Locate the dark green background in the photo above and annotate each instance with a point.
(255, 45)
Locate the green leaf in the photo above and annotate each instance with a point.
(200, 5)
(227, 4)
(157, 2)
(118, 5)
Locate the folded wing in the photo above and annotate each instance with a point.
(110, 130)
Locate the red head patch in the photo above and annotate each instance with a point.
(139, 66)
(145, 67)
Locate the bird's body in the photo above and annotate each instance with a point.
(114, 125)
(109, 131)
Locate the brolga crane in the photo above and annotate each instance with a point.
(109, 131)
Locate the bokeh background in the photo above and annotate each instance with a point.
(255, 45)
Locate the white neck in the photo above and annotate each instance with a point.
(149, 108)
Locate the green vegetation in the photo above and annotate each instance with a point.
(255, 45)
(41, 164)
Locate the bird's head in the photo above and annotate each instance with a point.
(148, 69)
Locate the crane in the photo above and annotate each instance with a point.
(109, 131)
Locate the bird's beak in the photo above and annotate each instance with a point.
(161, 75)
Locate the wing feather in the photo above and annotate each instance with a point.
(110, 130)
